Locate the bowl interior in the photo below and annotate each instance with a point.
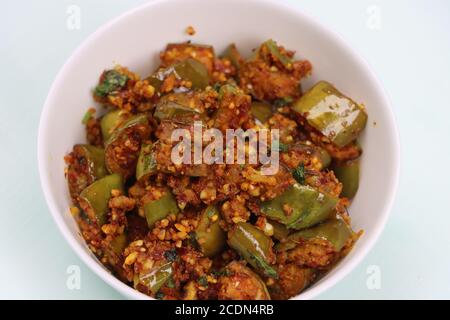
(135, 39)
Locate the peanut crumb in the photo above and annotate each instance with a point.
(190, 30)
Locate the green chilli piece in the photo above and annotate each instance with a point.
(231, 53)
(112, 81)
(111, 121)
(254, 246)
(282, 102)
(193, 71)
(95, 159)
(336, 231)
(209, 235)
(136, 125)
(94, 199)
(348, 174)
(175, 105)
(156, 210)
(87, 116)
(146, 165)
(261, 111)
(155, 81)
(315, 151)
(189, 70)
(333, 114)
(280, 231)
(139, 119)
(281, 147)
(272, 46)
(155, 278)
(119, 243)
(228, 89)
(324, 157)
(92, 161)
(307, 207)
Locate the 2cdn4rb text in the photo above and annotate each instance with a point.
(229, 309)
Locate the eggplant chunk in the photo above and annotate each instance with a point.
(240, 283)
(86, 164)
(293, 280)
(335, 231)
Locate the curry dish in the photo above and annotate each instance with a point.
(217, 231)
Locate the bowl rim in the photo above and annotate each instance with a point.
(130, 292)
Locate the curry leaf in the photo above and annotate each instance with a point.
(113, 81)
(299, 174)
(171, 255)
(282, 147)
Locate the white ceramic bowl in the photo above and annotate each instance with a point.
(135, 39)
